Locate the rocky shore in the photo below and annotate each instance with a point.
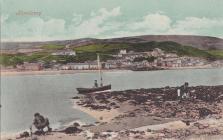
(153, 114)
(143, 110)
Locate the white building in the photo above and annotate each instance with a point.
(172, 62)
(110, 66)
(121, 53)
(80, 66)
(171, 55)
(157, 52)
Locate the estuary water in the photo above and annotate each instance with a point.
(23, 95)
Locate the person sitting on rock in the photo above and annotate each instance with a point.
(40, 122)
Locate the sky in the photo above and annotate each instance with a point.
(41, 20)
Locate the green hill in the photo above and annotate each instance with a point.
(88, 52)
(167, 46)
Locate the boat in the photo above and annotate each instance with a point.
(96, 88)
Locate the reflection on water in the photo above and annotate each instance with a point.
(22, 96)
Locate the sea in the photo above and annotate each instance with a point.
(50, 95)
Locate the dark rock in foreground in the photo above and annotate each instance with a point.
(162, 103)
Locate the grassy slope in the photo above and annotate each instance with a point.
(52, 47)
(173, 47)
(88, 52)
(217, 53)
(170, 47)
(108, 48)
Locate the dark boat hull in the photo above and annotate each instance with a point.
(90, 90)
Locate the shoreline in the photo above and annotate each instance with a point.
(52, 72)
(136, 114)
(59, 72)
(107, 115)
(146, 120)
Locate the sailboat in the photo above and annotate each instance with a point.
(99, 88)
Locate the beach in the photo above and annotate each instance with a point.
(49, 72)
(143, 112)
(158, 121)
(111, 70)
(137, 114)
(12, 72)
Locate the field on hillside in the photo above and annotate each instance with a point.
(217, 53)
(89, 52)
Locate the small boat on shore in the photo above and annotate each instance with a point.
(96, 88)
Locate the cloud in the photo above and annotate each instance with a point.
(36, 28)
(195, 25)
(152, 22)
(95, 25)
(4, 18)
(105, 23)
(158, 23)
(77, 18)
(54, 26)
(199, 23)
(33, 29)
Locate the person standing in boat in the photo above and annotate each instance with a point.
(95, 83)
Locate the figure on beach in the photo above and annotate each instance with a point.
(183, 91)
(95, 83)
(40, 122)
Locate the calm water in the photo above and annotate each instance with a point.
(22, 96)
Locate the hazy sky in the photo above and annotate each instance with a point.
(38, 20)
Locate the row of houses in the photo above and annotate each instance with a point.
(88, 66)
(80, 66)
(131, 54)
(123, 60)
(181, 62)
(164, 60)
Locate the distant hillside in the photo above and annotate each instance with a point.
(107, 50)
(201, 42)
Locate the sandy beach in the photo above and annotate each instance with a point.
(100, 116)
(51, 72)
(136, 114)
(12, 72)
(140, 118)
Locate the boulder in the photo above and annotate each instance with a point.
(203, 112)
(72, 130)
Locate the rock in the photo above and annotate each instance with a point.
(38, 133)
(76, 124)
(138, 137)
(203, 112)
(96, 136)
(101, 118)
(201, 126)
(187, 122)
(34, 138)
(24, 134)
(149, 130)
(76, 97)
(71, 130)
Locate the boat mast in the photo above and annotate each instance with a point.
(99, 69)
